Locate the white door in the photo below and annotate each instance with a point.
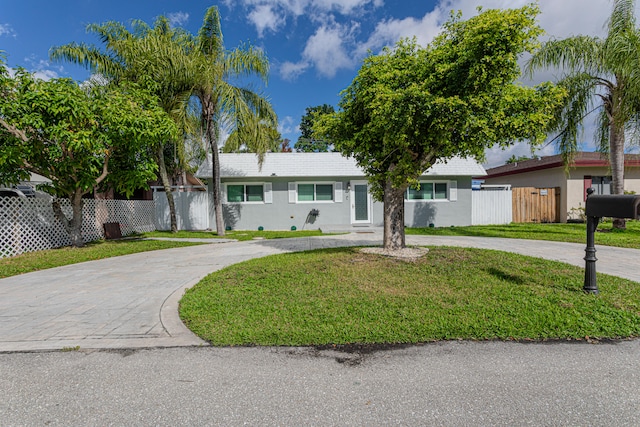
(360, 202)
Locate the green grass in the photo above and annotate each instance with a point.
(236, 234)
(40, 260)
(341, 296)
(629, 238)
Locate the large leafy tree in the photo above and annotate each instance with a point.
(155, 57)
(78, 139)
(410, 106)
(604, 73)
(308, 142)
(224, 103)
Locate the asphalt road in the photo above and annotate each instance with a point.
(448, 384)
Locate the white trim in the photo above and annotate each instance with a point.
(337, 192)
(453, 191)
(267, 193)
(226, 191)
(352, 199)
(292, 192)
(450, 192)
(314, 183)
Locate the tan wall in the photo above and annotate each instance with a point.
(632, 179)
(571, 187)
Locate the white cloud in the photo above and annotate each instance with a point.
(388, 32)
(326, 49)
(273, 14)
(291, 70)
(7, 30)
(43, 69)
(264, 18)
(286, 125)
(45, 74)
(178, 19)
(297, 8)
(345, 7)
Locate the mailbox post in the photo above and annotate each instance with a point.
(598, 206)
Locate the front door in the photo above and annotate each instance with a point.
(360, 203)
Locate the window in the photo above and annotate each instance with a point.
(239, 193)
(315, 192)
(601, 184)
(428, 191)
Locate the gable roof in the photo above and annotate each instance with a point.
(293, 165)
(581, 159)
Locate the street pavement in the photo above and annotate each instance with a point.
(138, 365)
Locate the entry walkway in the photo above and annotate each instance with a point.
(132, 301)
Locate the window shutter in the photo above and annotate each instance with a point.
(337, 192)
(453, 191)
(292, 192)
(268, 195)
(223, 193)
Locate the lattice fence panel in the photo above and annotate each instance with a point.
(28, 225)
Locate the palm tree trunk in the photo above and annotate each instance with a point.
(212, 136)
(616, 154)
(394, 238)
(217, 200)
(167, 189)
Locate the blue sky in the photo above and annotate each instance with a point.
(315, 47)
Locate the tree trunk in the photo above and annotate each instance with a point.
(211, 134)
(393, 218)
(164, 177)
(616, 155)
(73, 226)
(217, 200)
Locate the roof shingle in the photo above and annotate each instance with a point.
(317, 165)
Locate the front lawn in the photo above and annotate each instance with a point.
(40, 260)
(629, 238)
(341, 296)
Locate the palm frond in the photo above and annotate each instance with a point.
(247, 61)
(574, 54)
(622, 17)
(88, 56)
(210, 41)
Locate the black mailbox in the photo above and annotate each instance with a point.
(598, 206)
(615, 206)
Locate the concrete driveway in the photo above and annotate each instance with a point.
(132, 301)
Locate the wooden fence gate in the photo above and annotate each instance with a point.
(536, 204)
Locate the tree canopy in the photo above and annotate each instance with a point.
(188, 74)
(156, 58)
(412, 106)
(78, 138)
(307, 141)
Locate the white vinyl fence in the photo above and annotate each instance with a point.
(29, 224)
(192, 209)
(492, 206)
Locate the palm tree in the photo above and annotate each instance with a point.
(153, 57)
(604, 73)
(222, 102)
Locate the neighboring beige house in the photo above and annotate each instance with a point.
(587, 170)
